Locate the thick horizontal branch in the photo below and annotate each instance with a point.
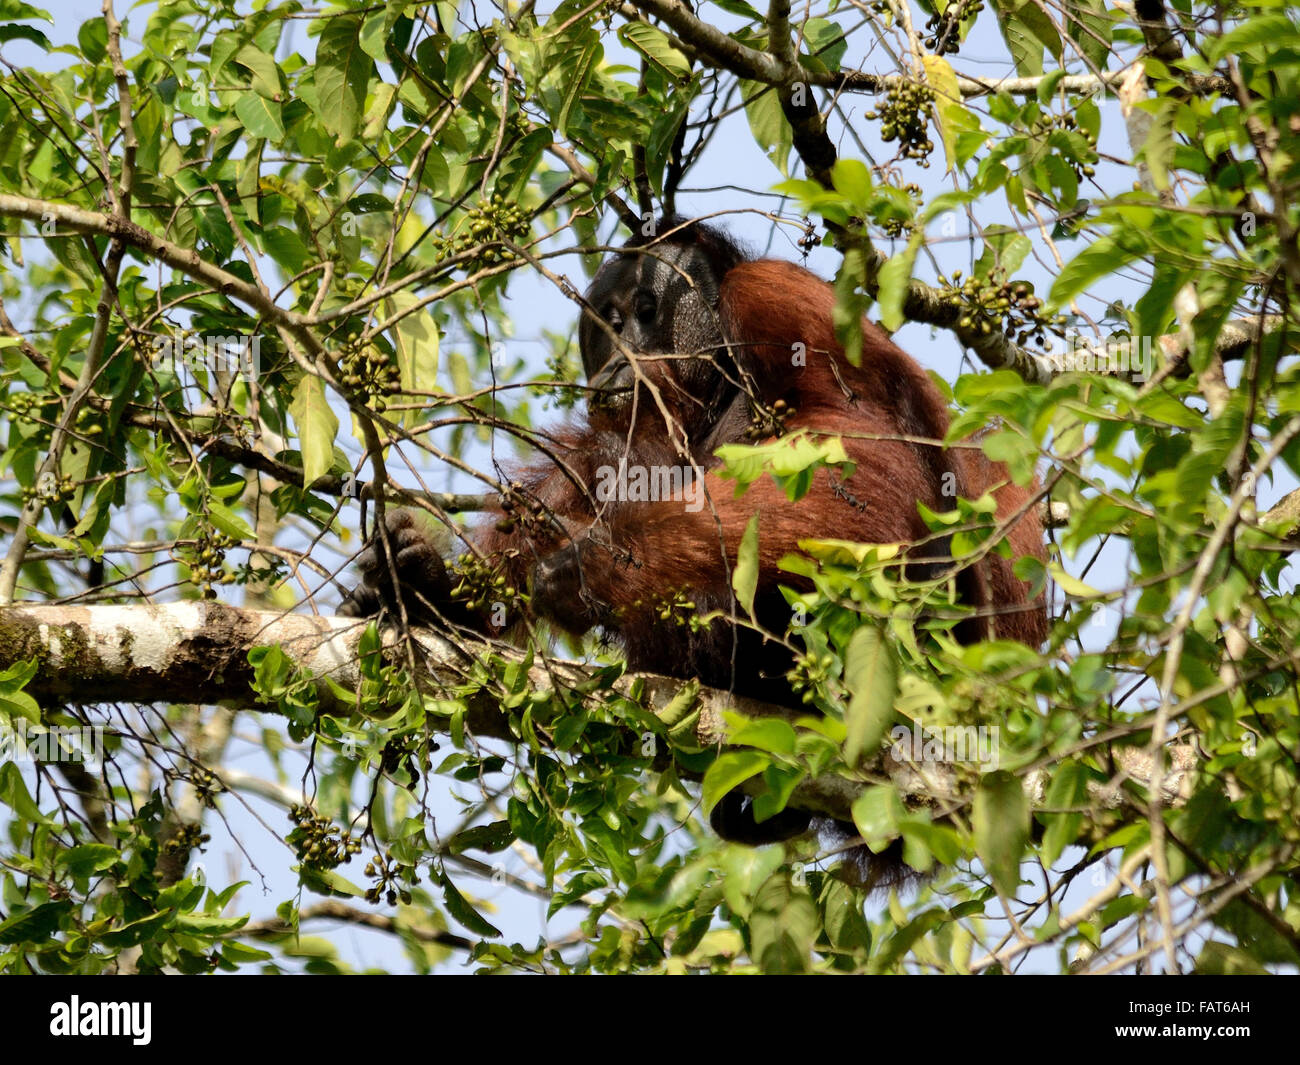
(1125, 356)
(198, 653)
(711, 46)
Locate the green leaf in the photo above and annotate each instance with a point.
(35, 926)
(1091, 28)
(682, 705)
(728, 770)
(1071, 585)
(260, 115)
(876, 815)
(767, 734)
(767, 123)
(846, 925)
(1272, 29)
(14, 705)
(574, 71)
(826, 43)
(14, 793)
(242, 954)
(415, 338)
(228, 522)
(744, 871)
(1047, 87)
(939, 840)
(779, 784)
(493, 837)
(1223, 959)
(1101, 259)
(374, 33)
(285, 247)
(1001, 820)
(895, 277)
(92, 37)
(783, 926)
(1004, 248)
(1027, 29)
(377, 115)
(791, 460)
(652, 43)
(14, 702)
(948, 107)
(744, 578)
(460, 909)
(1158, 151)
(265, 74)
(1069, 788)
(249, 183)
(852, 178)
(19, 675)
(135, 932)
(12, 32)
(871, 675)
(317, 426)
(210, 924)
(343, 71)
(519, 167)
(739, 7)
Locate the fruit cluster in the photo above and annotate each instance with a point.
(557, 385)
(49, 490)
(905, 116)
(478, 583)
(485, 225)
(207, 786)
(317, 840)
(895, 225)
(188, 837)
(521, 511)
(991, 301)
(1045, 125)
(768, 421)
(945, 29)
(810, 673)
(25, 406)
(207, 560)
(392, 877)
(371, 373)
(680, 609)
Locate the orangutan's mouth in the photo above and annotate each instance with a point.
(614, 384)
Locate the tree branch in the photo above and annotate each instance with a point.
(709, 45)
(332, 910)
(198, 653)
(135, 236)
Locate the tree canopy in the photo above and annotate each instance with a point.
(265, 267)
